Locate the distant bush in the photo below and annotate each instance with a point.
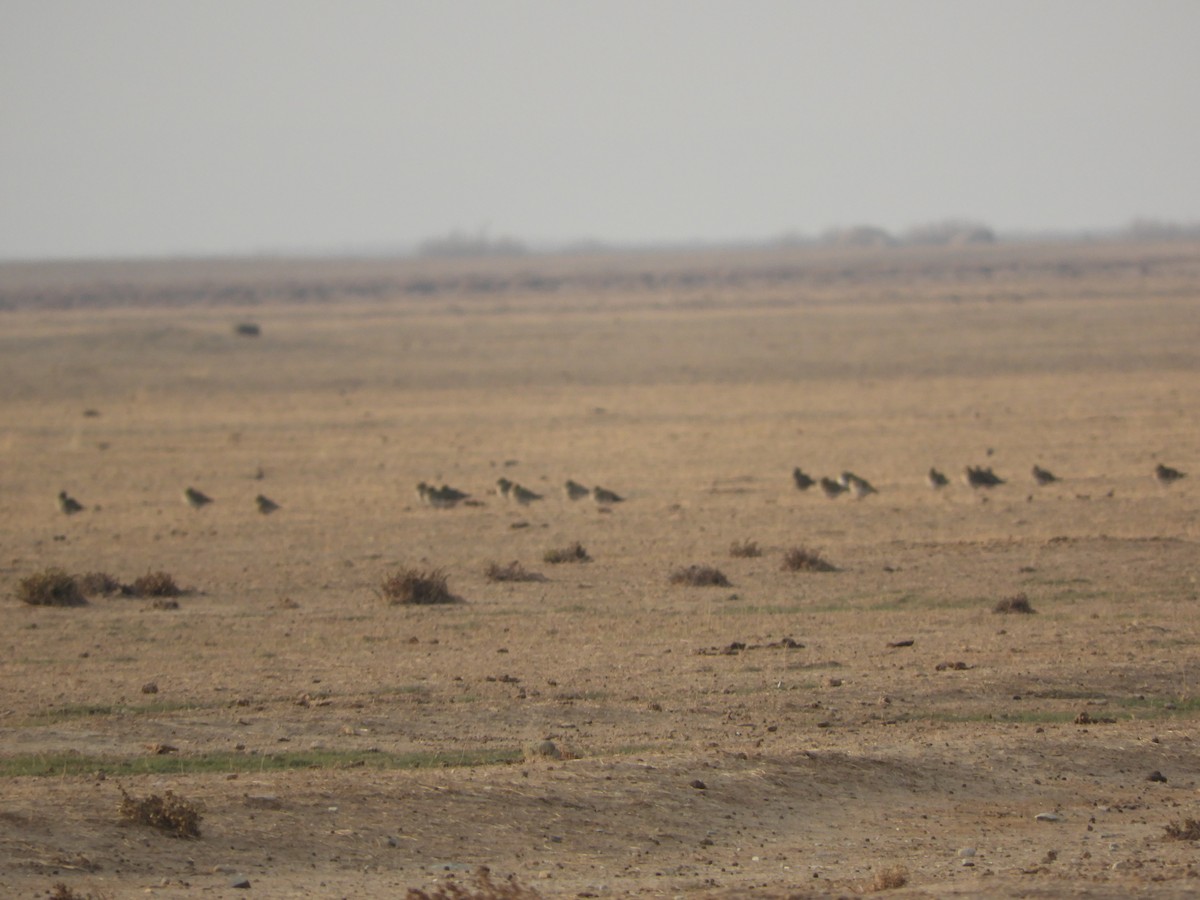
(156, 584)
(169, 813)
(699, 576)
(411, 586)
(485, 889)
(92, 583)
(802, 559)
(1018, 604)
(572, 553)
(51, 587)
(514, 571)
(744, 549)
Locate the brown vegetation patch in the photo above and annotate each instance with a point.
(890, 879)
(412, 586)
(1187, 830)
(1017, 604)
(745, 549)
(156, 584)
(51, 587)
(514, 571)
(699, 576)
(93, 583)
(802, 559)
(572, 553)
(485, 889)
(169, 813)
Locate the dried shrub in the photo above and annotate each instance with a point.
(1017, 604)
(572, 553)
(485, 889)
(247, 329)
(169, 813)
(699, 576)
(745, 549)
(514, 571)
(890, 879)
(1187, 830)
(62, 892)
(412, 586)
(93, 583)
(802, 559)
(51, 587)
(156, 584)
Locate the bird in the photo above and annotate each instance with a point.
(1043, 476)
(574, 490)
(504, 487)
(936, 479)
(196, 499)
(444, 497)
(606, 497)
(68, 504)
(978, 476)
(860, 487)
(523, 495)
(803, 481)
(832, 489)
(1165, 474)
(265, 504)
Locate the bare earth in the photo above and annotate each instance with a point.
(791, 734)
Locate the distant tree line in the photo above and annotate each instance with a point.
(458, 244)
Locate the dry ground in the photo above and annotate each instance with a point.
(792, 734)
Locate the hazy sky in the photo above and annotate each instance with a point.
(145, 127)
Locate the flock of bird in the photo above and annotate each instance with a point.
(973, 476)
(446, 497)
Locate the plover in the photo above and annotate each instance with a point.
(860, 487)
(832, 489)
(265, 504)
(523, 495)
(444, 497)
(606, 497)
(1043, 476)
(68, 504)
(978, 476)
(574, 490)
(504, 487)
(803, 481)
(196, 499)
(1165, 474)
(936, 479)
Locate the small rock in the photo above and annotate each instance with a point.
(1156, 776)
(150, 687)
(544, 749)
(1048, 817)
(966, 852)
(699, 785)
(240, 882)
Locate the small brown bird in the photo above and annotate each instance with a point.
(523, 495)
(605, 497)
(978, 476)
(1165, 474)
(196, 499)
(936, 479)
(68, 504)
(1043, 476)
(265, 505)
(803, 480)
(832, 489)
(860, 487)
(504, 487)
(574, 490)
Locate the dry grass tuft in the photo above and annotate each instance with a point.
(93, 583)
(699, 576)
(890, 879)
(514, 571)
(1017, 604)
(412, 586)
(51, 587)
(62, 892)
(1187, 830)
(801, 559)
(169, 813)
(572, 553)
(485, 889)
(745, 549)
(156, 584)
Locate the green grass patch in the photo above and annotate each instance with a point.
(60, 764)
(89, 710)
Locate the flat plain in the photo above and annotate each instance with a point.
(599, 730)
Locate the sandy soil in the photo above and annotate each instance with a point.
(790, 734)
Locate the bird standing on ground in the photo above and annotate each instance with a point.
(605, 497)
(574, 490)
(803, 480)
(1165, 474)
(1043, 476)
(196, 499)
(860, 487)
(68, 504)
(978, 476)
(265, 504)
(523, 495)
(936, 479)
(832, 489)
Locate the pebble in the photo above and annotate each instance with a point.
(1048, 817)
(240, 882)
(966, 852)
